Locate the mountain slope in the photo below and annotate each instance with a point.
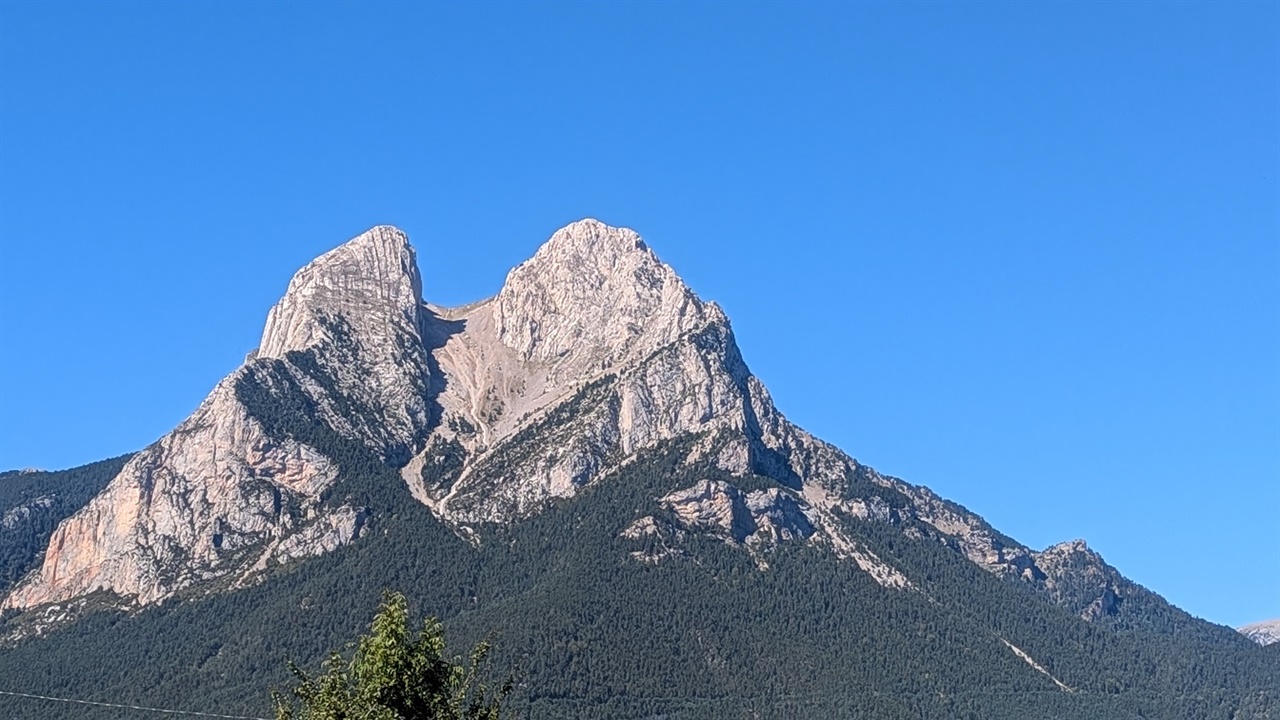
(703, 634)
(33, 503)
(586, 463)
(218, 498)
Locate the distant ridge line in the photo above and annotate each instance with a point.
(133, 707)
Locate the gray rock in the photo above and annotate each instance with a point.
(1077, 578)
(220, 496)
(1263, 633)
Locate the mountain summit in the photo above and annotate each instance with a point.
(597, 293)
(220, 497)
(373, 277)
(595, 416)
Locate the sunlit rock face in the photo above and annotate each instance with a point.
(184, 510)
(356, 313)
(1263, 633)
(220, 496)
(594, 296)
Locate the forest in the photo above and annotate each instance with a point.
(588, 631)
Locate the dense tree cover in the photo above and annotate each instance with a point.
(33, 503)
(394, 674)
(595, 633)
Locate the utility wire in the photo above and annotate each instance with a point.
(132, 707)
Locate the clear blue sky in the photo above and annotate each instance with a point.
(1027, 254)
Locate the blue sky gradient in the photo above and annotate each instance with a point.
(1027, 254)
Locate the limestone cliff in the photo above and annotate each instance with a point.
(356, 314)
(1266, 632)
(220, 496)
(214, 486)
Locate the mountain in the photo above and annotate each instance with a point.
(584, 464)
(1263, 633)
(219, 498)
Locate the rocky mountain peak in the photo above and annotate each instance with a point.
(1072, 558)
(224, 495)
(372, 277)
(352, 321)
(592, 295)
(589, 237)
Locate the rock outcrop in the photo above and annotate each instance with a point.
(756, 520)
(968, 533)
(1078, 579)
(1263, 633)
(213, 487)
(221, 496)
(593, 297)
(763, 517)
(15, 517)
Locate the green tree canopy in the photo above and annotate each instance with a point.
(394, 674)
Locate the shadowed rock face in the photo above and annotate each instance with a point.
(593, 351)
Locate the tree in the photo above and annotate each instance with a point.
(394, 675)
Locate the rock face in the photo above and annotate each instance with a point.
(356, 313)
(220, 496)
(593, 352)
(757, 517)
(593, 346)
(1263, 633)
(594, 296)
(755, 520)
(1078, 579)
(14, 518)
(214, 486)
(373, 277)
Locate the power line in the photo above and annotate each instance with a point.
(132, 707)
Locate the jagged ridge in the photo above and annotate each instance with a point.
(220, 497)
